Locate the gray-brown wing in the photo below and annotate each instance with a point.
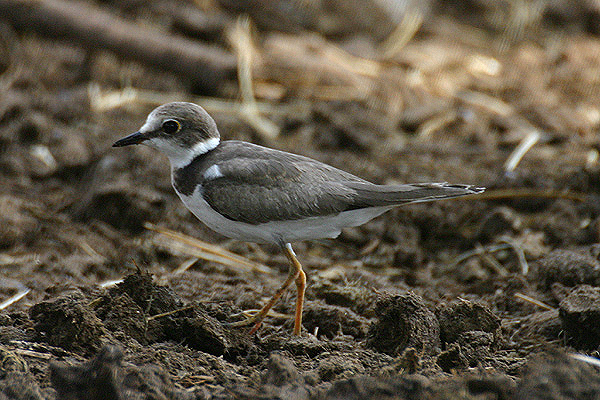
(262, 190)
(261, 185)
(370, 195)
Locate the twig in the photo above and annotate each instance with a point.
(96, 29)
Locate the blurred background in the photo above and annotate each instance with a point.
(497, 93)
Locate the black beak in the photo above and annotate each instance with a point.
(134, 138)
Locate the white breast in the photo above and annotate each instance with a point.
(277, 231)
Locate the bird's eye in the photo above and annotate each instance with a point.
(170, 126)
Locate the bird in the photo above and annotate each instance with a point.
(258, 194)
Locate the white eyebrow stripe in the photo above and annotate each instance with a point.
(150, 123)
(213, 172)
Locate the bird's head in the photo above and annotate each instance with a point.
(180, 130)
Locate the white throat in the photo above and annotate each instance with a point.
(180, 156)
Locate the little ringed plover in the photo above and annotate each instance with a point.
(257, 194)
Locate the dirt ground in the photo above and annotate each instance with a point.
(491, 297)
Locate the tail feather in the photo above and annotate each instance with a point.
(370, 195)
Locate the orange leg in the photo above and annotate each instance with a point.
(296, 274)
(300, 287)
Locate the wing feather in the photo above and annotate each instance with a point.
(257, 191)
(257, 185)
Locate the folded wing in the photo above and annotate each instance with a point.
(265, 190)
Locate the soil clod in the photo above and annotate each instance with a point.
(68, 322)
(404, 321)
(464, 316)
(580, 316)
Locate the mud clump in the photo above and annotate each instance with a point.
(569, 268)
(150, 297)
(367, 388)
(69, 323)
(125, 316)
(333, 320)
(95, 379)
(452, 358)
(357, 298)
(464, 316)
(556, 376)
(580, 316)
(106, 378)
(150, 313)
(282, 379)
(18, 386)
(468, 332)
(404, 321)
(16, 381)
(471, 349)
(546, 325)
(280, 371)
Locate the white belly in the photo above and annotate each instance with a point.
(278, 231)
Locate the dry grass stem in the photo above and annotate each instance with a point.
(33, 354)
(166, 314)
(241, 40)
(491, 104)
(534, 301)
(110, 283)
(520, 255)
(490, 261)
(524, 146)
(478, 250)
(106, 100)
(404, 32)
(11, 300)
(187, 264)
(271, 313)
(427, 129)
(585, 358)
(207, 251)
